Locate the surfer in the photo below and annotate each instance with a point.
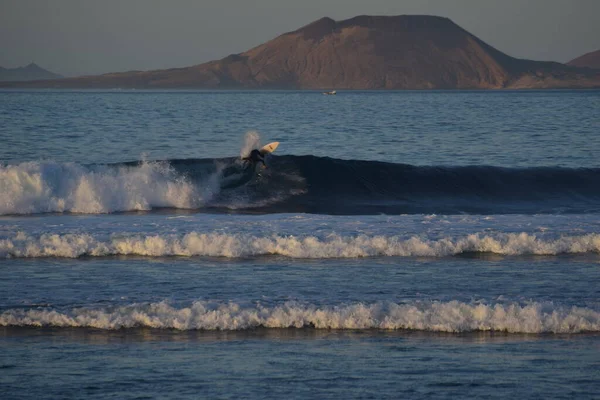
(255, 157)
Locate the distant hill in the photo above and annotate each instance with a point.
(589, 60)
(30, 72)
(365, 52)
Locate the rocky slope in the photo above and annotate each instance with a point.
(588, 60)
(365, 52)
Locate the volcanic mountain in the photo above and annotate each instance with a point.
(365, 52)
(589, 60)
(27, 73)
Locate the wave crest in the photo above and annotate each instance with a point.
(453, 316)
(332, 246)
(308, 184)
(39, 187)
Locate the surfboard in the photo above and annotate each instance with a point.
(269, 148)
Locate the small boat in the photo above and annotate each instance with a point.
(330, 93)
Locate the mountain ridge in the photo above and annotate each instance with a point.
(363, 52)
(32, 71)
(588, 60)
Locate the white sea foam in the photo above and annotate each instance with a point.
(245, 245)
(38, 187)
(251, 141)
(453, 316)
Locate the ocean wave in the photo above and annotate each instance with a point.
(307, 184)
(453, 316)
(43, 187)
(331, 246)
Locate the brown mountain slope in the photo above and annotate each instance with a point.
(589, 60)
(365, 52)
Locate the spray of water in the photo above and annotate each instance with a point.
(251, 141)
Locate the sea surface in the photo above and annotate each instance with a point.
(398, 245)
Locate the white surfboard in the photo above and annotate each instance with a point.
(269, 148)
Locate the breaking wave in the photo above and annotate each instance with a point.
(291, 184)
(331, 246)
(453, 316)
(42, 187)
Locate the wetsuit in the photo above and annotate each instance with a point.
(254, 157)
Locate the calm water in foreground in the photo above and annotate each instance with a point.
(399, 245)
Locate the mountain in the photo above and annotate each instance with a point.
(364, 52)
(30, 72)
(589, 60)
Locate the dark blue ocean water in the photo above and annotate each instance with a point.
(398, 245)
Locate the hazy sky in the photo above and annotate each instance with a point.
(74, 37)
